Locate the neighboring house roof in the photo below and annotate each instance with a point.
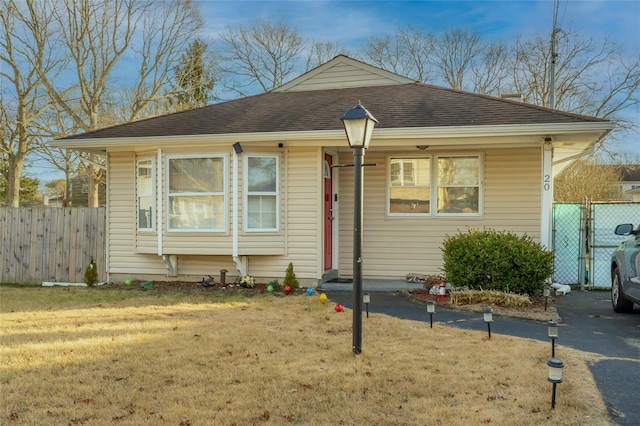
(630, 173)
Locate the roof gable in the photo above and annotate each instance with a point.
(340, 73)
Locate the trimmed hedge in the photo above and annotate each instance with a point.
(496, 260)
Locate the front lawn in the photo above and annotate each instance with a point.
(118, 355)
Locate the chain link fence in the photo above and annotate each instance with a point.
(583, 240)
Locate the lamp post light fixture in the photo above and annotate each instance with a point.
(555, 377)
(358, 125)
(488, 318)
(366, 299)
(546, 292)
(431, 309)
(552, 332)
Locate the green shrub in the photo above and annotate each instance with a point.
(91, 274)
(492, 260)
(290, 279)
(276, 285)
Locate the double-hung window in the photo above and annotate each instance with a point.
(410, 186)
(453, 182)
(262, 194)
(145, 190)
(197, 196)
(459, 185)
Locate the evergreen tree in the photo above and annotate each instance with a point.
(290, 279)
(194, 77)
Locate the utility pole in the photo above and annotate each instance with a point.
(554, 56)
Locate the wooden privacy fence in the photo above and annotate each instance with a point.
(51, 244)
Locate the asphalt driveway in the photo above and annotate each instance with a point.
(588, 323)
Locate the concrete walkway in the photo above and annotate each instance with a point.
(588, 324)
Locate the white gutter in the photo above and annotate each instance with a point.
(325, 136)
(240, 265)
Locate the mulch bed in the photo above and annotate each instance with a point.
(534, 312)
(207, 287)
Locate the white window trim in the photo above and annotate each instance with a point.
(434, 186)
(246, 194)
(224, 193)
(152, 193)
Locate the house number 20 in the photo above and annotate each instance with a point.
(547, 182)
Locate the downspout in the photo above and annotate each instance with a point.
(240, 265)
(159, 201)
(107, 245)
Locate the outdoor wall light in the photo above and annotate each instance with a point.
(431, 309)
(366, 299)
(358, 125)
(546, 293)
(555, 377)
(488, 318)
(552, 332)
(237, 148)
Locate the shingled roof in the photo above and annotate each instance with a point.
(396, 106)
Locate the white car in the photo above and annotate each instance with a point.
(625, 270)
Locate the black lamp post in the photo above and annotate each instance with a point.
(358, 124)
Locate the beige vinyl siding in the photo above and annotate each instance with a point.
(123, 257)
(263, 243)
(395, 246)
(341, 76)
(303, 218)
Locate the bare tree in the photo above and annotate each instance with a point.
(321, 52)
(96, 35)
(264, 54)
(586, 179)
(26, 55)
(455, 54)
(408, 53)
(490, 75)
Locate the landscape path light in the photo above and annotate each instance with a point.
(488, 318)
(366, 299)
(431, 309)
(546, 292)
(552, 332)
(555, 377)
(358, 125)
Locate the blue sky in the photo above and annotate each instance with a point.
(352, 22)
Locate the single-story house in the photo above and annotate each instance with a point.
(629, 186)
(252, 184)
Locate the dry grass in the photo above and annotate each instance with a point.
(136, 358)
(489, 297)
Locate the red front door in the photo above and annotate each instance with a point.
(328, 211)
